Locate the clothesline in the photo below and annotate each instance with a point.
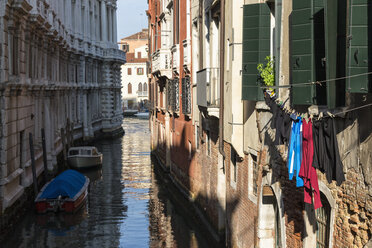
(273, 95)
(312, 144)
(320, 82)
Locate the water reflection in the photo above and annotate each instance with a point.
(128, 205)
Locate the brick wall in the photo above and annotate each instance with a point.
(241, 212)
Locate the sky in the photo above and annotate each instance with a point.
(131, 17)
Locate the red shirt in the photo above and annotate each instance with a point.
(307, 171)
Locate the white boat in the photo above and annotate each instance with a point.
(142, 115)
(84, 157)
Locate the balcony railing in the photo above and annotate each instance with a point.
(142, 93)
(176, 58)
(161, 63)
(208, 90)
(115, 54)
(173, 95)
(186, 96)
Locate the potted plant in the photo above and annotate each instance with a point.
(267, 72)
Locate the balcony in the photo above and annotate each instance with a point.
(115, 54)
(161, 63)
(208, 89)
(176, 58)
(186, 54)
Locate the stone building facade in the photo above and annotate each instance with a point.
(59, 70)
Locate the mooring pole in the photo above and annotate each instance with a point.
(32, 152)
(44, 155)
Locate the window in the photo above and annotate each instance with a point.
(139, 55)
(145, 87)
(254, 175)
(319, 53)
(173, 95)
(186, 96)
(140, 71)
(190, 151)
(129, 88)
(322, 216)
(233, 165)
(125, 47)
(176, 22)
(278, 229)
(129, 71)
(140, 87)
(197, 137)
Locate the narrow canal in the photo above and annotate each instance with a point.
(128, 205)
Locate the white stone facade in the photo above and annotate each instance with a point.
(134, 79)
(59, 69)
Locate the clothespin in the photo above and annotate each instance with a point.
(320, 116)
(330, 114)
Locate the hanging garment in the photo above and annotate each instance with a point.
(327, 157)
(294, 154)
(280, 121)
(307, 171)
(283, 128)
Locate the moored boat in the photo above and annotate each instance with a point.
(67, 192)
(84, 157)
(142, 115)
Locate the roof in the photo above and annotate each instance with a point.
(142, 35)
(132, 59)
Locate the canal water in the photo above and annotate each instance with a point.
(128, 205)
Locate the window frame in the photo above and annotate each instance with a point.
(140, 71)
(251, 179)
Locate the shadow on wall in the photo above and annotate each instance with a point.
(186, 218)
(178, 189)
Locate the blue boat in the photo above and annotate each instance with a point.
(67, 192)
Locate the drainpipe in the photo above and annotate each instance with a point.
(222, 72)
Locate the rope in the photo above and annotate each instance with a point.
(308, 83)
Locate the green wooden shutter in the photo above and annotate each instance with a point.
(308, 51)
(256, 46)
(302, 51)
(359, 58)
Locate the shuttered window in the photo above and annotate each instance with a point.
(308, 51)
(256, 46)
(318, 51)
(359, 54)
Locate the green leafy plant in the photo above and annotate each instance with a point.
(267, 72)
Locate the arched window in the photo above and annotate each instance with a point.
(322, 219)
(129, 88)
(322, 216)
(145, 87)
(140, 87)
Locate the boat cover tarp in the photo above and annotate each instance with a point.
(66, 184)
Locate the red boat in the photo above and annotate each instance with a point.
(67, 192)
